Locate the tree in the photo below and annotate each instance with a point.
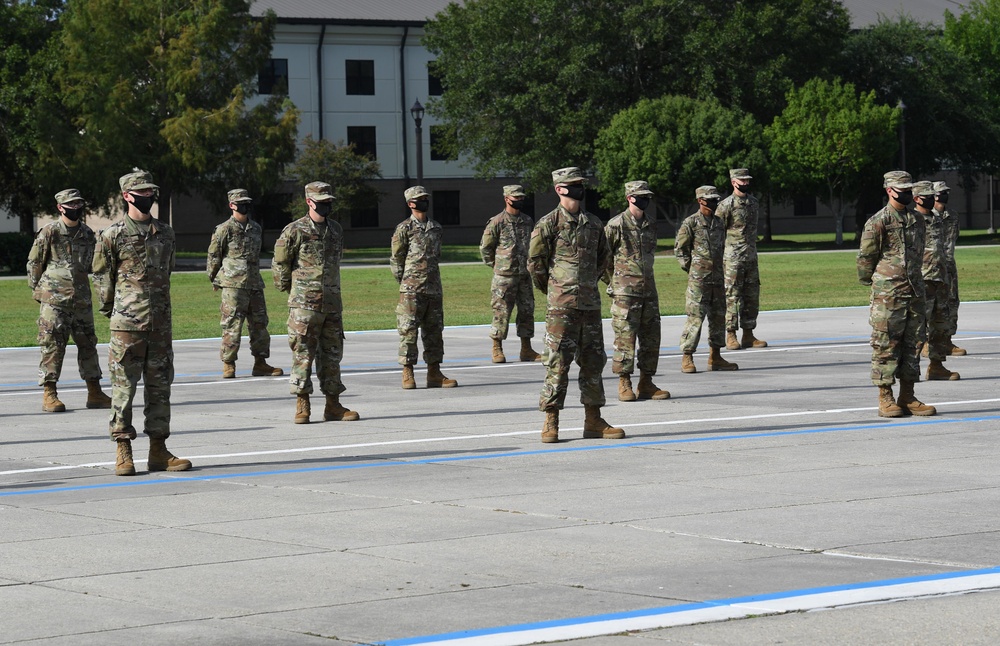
(827, 139)
(164, 85)
(338, 165)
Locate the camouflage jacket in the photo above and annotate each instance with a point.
(505, 244)
(632, 243)
(235, 250)
(699, 248)
(59, 263)
(306, 264)
(132, 274)
(739, 215)
(891, 255)
(567, 256)
(416, 248)
(935, 265)
(951, 230)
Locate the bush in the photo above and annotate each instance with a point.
(14, 249)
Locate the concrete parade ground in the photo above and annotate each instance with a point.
(768, 505)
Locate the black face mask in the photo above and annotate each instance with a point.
(744, 188)
(244, 208)
(925, 201)
(576, 191)
(903, 197)
(143, 202)
(516, 204)
(711, 205)
(421, 205)
(323, 209)
(73, 214)
(942, 198)
(641, 202)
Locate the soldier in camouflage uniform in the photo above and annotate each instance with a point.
(951, 230)
(567, 256)
(234, 267)
(416, 249)
(890, 259)
(739, 213)
(132, 267)
(936, 280)
(306, 264)
(635, 304)
(699, 246)
(58, 265)
(504, 247)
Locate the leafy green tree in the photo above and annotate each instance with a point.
(827, 139)
(165, 85)
(338, 165)
(676, 144)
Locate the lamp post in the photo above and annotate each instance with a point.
(902, 134)
(418, 116)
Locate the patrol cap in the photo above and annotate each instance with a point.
(567, 175)
(414, 192)
(941, 187)
(897, 179)
(239, 195)
(67, 196)
(319, 192)
(637, 188)
(923, 189)
(513, 190)
(136, 180)
(740, 173)
(707, 192)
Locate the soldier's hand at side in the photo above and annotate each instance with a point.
(215, 288)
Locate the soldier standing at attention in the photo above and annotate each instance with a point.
(132, 267)
(567, 256)
(699, 246)
(234, 267)
(416, 249)
(635, 304)
(951, 229)
(58, 265)
(504, 247)
(739, 215)
(306, 264)
(935, 274)
(890, 260)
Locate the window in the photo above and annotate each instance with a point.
(438, 151)
(360, 77)
(446, 207)
(273, 77)
(365, 216)
(434, 86)
(804, 205)
(363, 138)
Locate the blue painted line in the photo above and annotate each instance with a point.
(666, 610)
(494, 456)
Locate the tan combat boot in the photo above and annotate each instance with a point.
(435, 379)
(527, 352)
(648, 390)
(716, 362)
(50, 400)
(334, 412)
(228, 369)
(687, 363)
(732, 343)
(625, 393)
(550, 432)
(925, 350)
(123, 461)
(750, 341)
(954, 350)
(498, 352)
(937, 372)
(302, 409)
(594, 426)
(160, 459)
(262, 369)
(908, 401)
(95, 396)
(409, 382)
(887, 406)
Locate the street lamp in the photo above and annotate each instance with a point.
(902, 134)
(418, 116)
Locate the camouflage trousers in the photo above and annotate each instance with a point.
(319, 336)
(953, 301)
(742, 294)
(573, 334)
(938, 320)
(635, 319)
(898, 329)
(236, 306)
(426, 313)
(141, 355)
(506, 292)
(704, 300)
(55, 326)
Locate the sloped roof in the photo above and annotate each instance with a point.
(866, 12)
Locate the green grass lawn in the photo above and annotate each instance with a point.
(789, 281)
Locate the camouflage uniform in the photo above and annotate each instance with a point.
(234, 266)
(950, 239)
(742, 276)
(58, 265)
(504, 247)
(936, 282)
(132, 267)
(699, 250)
(416, 248)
